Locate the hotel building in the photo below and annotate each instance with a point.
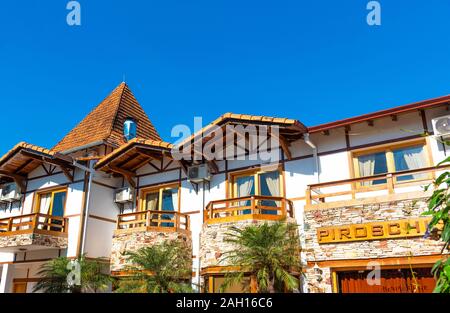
(354, 187)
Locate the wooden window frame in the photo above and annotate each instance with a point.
(388, 149)
(39, 193)
(255, 172)
(212, 278)
(158, 189)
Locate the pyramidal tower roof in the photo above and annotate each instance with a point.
(105, 123)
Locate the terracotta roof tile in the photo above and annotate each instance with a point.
(246, 118)
(136, 141)
(105, 122)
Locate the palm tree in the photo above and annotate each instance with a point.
(54, 276)
(270, 253)
(161, 268)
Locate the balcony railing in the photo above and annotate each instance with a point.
(371, 186)
(35, 222)
(251, 207)
(153, 220)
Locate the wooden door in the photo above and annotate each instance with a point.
(19, 287)
(392, 281)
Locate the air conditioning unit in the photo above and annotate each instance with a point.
(198, 173)
(441, 126)
(10, 193)
(124, 195)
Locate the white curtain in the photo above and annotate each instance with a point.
(152, 205)
(245, 185)
(366, 167)
(414, 159)
(44, 204)
(152, 201)
(273, 183)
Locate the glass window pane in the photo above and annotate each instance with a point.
(45, 200)
(59, 199)
(245, 187)
(169, 203)
(372, 164)
(234, 288)
(270, 186)
(408, 159)
(151, 201)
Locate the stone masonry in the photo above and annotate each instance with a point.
(133, 241)
(36, 239)
(375, 249)
(213, 245)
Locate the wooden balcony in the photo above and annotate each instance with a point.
(396, 186)
(33, 231)
(248, 208)
(164, 221)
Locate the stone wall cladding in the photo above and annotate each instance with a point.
(212, 244)
(33, 239)
(390, 211)
(135, 240)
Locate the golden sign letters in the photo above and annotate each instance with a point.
(415, 227)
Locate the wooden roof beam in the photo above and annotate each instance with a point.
(127, 174)
(67, 173)
(140, 164)
(18, 179)
(213, 165)
(149, 154)
(284, 145)
(47, 159)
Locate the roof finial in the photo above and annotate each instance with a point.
(123, 78)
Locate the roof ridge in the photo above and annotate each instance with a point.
(123, 85)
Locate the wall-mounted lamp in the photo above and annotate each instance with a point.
(318, 272)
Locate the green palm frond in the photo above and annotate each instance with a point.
(53, 276)
(268, 252)
(161, 268)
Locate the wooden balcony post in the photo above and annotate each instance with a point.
(10, 222)
(65, 223)
(35, 219)
(147, 219)
(308, 195)
(188, 222)
(118, 222)
(283, 208)
(353, 189)
(390, 183)
(177, 221)
(253, 204)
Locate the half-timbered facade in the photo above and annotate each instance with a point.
(111, 185)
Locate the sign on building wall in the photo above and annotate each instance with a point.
(414, 227)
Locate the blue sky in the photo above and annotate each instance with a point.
(316, 61)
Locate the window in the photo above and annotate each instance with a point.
(216, 282)
(129, 129)
(390, 160)
(259, 183)
(52, 203)
(161, 199)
